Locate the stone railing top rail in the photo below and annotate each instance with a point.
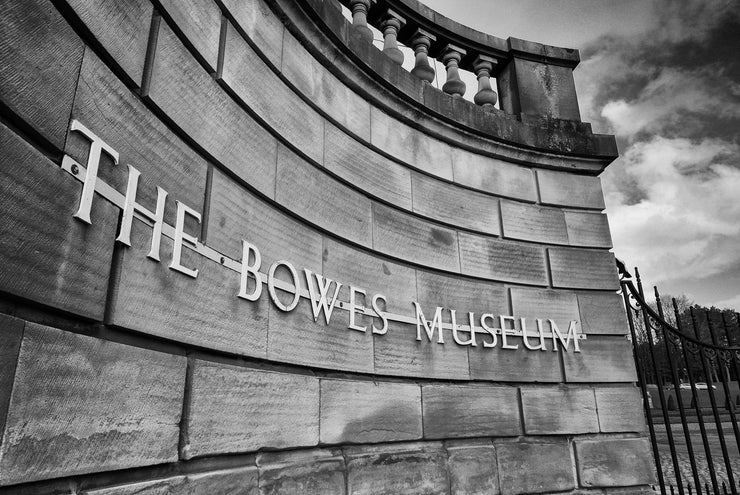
(417, 16)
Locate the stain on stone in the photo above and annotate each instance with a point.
(441, 238)
(386, 270)
(325, 255)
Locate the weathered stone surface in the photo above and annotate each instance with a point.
(107, 107)
(366, 169)
(259, 23)
(237, 214)
(559, 410)
(51, 432)
(533, 223)
(40, 59)
(452, 411)
(399, 353)
(558, 305)
(322, 88)
(493, 175)
(602, 313)
(11, 330)
(410, 238)
(461, 294)
(602, 359)
(237, 409)
(200, 22)
(369, 412)
(565, 189)
(268, 96)
(544, 89)
(614, 462)
(620, 409)
(372, 273)
(322, 200)
(472, 468)
(122, 27)
(205, 311)
(506, 261)
(583, 269)
(47, 255)
(588, 229)
(410, 145)
(295, 337)
(196, 103)
(398, 469)
(241, 481)
(520, 365)
(313, 472)
(534, 467)
(455, 205)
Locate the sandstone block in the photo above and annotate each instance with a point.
(366, 169)
(121, 27)
(559, 410)
(620, 409)
(505, 261)
(583, 269)
(82, 405)
(322, 200)
(267, 95)
(533, 223)
(47, 255)
(407, 237)
(558, 305)
(588, 229)
(185, 92)
(109, 109)
(240, 481)
(310, 472)
(518, 365)
(369, 412)
(493, 175)
(200, 22)
(260, 24)
(461, 294)
(12, 331)
(614, 462)
(452, 411)
(296, 338)
(205, 311)
(410, 145)
(602, 313)
(534, 467)
(237, 409)
(566, 189)
(40, 59)
(472, 468)
(397, 469)
(454, 205)
(602, 359)
(398, 353)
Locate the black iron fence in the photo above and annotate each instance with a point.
(688, 364)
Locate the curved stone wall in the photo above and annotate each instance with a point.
(239, 141)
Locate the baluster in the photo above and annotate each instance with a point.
(486, 96)
(390, 25)
(421, 42)
(451, 56)
(359, 19)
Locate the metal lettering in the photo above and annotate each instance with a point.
(97, 146)
(436, 322)
(488, 329)
(541, 347)
(572, 334)
(455, 336)
(124, 233)
(247, 270)
(318, 300)
(353, 307)
(507, 331)
(383, 317)
(271, 286)
(181, 236)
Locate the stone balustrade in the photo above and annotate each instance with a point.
(534, 80)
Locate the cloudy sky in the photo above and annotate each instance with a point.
(664, 77)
